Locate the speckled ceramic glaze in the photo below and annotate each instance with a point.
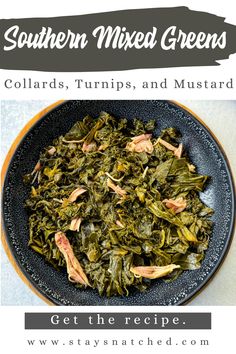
(205, 153)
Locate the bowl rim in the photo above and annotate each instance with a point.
(7, 162)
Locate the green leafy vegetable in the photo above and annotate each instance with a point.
(116, 206)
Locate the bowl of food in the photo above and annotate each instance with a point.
(117, 203)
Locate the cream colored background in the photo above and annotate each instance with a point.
(220, 116)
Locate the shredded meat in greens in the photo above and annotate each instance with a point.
(116, 206)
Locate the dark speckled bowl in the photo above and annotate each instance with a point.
(205, 153)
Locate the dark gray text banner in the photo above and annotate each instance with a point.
(115, 320)
(118, 40)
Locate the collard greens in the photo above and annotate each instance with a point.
(117, 207)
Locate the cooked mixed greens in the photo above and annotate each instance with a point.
(117, 206)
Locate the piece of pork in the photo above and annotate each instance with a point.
(52, 151)
(177, 150)
(74, 195)
(75, 224)
(140, 143)
(119, 223)
(153, 272)
(89, 147)
(74, 269)
(117, 189)
(177, 205)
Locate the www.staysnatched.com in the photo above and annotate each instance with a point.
(121, 342)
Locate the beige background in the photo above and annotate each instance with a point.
(220, 116)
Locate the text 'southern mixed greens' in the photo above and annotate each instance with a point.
(117, 206)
